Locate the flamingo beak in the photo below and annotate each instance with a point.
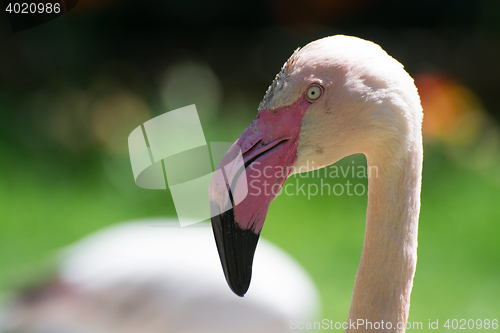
(269, 150)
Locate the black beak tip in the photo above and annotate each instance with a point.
(236, 248)
(236, 288)
(237, 278)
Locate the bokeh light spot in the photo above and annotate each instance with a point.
(452, 112)
(115, 116)
(189, 82)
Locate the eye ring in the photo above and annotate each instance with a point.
(314, 92)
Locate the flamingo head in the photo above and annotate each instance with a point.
(335, 97)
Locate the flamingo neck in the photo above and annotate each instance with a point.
(385, 276)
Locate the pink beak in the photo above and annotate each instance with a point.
(269, 148)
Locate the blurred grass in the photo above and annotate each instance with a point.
(49, 201)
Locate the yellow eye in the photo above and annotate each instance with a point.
(314, 92)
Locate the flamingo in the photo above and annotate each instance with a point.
(335, 97)
(151, 276)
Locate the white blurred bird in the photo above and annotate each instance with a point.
(153, 276)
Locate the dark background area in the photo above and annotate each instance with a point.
(244, 43)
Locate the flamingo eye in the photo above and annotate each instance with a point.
(314, 92)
